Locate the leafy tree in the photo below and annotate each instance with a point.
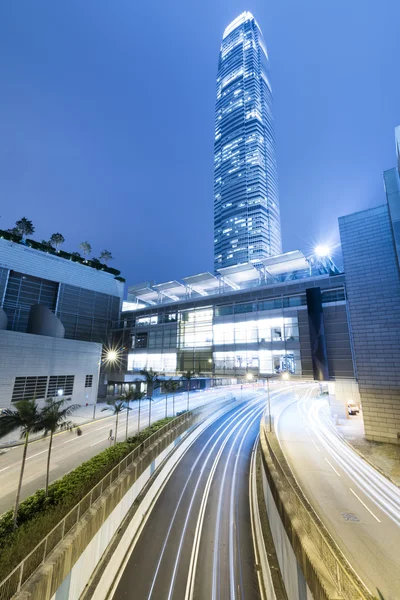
(14, 231)
(86, 248)
(76, 254)
(25, 417)
(56, 240)
(116, 406)
(47, 244)
(106, 256)
(25, 227)
(96, 260)
(55, 417)
(152, 382)
(188, 376)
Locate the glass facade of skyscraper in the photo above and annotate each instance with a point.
(246, 203)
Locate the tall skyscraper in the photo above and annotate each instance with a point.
(246, 202)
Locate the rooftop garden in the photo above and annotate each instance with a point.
(24, 228)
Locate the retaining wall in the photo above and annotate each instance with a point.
(311, 563)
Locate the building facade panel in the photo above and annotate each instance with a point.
(35, 366)
(261, 331)
(86, 301)
(373, 291)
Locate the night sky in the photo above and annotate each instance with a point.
(107, 120)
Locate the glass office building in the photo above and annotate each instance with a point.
(246, 202)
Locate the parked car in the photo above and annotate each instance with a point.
(353, 408)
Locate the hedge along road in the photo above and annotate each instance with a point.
(197, 541)
(70, 450)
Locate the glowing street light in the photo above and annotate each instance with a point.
(249, 376)
(285, 376)
(111, 355)
(60, 392)
(322, 251)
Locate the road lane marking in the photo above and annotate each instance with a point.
(227, 424)
(332, 467)
(364, 505)
(99, 442)
(33, 455)
(316, 446)
(5, 468)
(68, 442)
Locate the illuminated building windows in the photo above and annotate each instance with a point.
(158, 362)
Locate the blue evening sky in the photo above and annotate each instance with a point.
(107, 120)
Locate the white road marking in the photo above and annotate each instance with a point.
(364, 505)
(332, 467)
(99, 442)
(5, 469)
(33, 455)
(68, 442)
(316, 446)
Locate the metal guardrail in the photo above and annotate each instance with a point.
(345, 579)
(11, 585)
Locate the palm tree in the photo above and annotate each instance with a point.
(170, 387)
(174, 387)
(54, 417)
(139, 396)
(27, 418)
(188, 376)
(86, 248)
(56, 240)
(126, 398)
(106, 256)
(25, 227)
(152, 382)
(117, 406)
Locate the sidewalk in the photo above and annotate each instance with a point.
(83, 414)
(383, 457)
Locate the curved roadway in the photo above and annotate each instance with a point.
(197, 542)
(358, 505)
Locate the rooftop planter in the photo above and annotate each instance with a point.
(74, 256)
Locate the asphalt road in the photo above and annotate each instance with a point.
(197, 541)
(70, 450)
(359, 507)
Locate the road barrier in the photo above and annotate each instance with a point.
(303, 527)
(12, 584)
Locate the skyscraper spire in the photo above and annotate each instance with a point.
(246, 201)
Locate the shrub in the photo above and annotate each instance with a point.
(38, 515)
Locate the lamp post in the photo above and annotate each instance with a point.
(111, 356)
(285, 377)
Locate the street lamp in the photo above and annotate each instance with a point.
(60, 393)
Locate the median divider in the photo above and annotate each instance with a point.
(68, 555)
(327, 573)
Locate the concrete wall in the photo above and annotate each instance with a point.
(292, 575)
(40, 264)
(373, 291)
(28, 355)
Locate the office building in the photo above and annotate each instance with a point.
(257, 320)
(53, 314)
(246, 201)
(85, 299)
(370, 245)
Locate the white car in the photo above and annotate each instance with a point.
(353, 408)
